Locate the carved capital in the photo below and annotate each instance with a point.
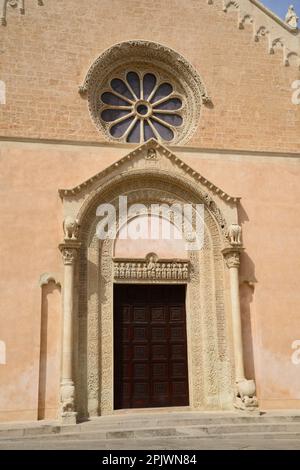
(69, 251)
(232, 256)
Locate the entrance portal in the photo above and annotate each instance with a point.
(150, 346)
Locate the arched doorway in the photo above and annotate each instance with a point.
(214, 357)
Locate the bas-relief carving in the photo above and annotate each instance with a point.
(17, 4)
(151, 269)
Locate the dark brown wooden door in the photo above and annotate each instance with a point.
(150, 350)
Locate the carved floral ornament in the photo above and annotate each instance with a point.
(141, 90)
(14, 4)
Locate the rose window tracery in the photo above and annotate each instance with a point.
(140, 106)
(138, 90)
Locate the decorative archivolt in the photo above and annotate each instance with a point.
(265, 24)
(16, 4)
(146, 168)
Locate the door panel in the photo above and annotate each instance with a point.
(150, 350)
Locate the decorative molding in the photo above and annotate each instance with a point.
(150, 146)
(151, 268)
(151, 57)
(16, 4)
(266, 24)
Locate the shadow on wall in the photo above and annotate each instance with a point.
(49, 351)
(247, 292)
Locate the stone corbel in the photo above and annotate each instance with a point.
(245, 398)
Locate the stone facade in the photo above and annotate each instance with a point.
(239, 156)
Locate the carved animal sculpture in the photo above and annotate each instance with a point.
(234, 234)
(291, 17)
(67, 398)
(70, 227)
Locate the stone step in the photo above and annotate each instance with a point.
(155, 441)
(164, 424)
(194, 431)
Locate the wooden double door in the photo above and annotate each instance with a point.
(150, 346)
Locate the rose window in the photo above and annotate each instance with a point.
(136, 107)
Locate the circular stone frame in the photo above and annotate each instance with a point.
(151, 57)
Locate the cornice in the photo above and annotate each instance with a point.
(173, 148)
(137, 151)
(274, 17)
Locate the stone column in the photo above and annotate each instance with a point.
(245, 389)
(67, 389)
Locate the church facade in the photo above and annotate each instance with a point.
(120, 121)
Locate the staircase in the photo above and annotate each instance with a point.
(174, 430)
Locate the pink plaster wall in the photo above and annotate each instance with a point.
(30, 219)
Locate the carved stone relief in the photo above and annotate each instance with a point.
(151, 269)
(210, 363)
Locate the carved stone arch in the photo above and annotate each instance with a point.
(208, 317)
(187, 189)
